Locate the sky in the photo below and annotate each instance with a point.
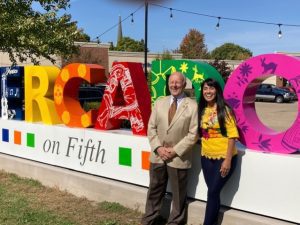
(165, 33)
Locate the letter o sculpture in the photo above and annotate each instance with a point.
(240, 93)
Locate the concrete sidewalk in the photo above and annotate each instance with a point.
(102, 189)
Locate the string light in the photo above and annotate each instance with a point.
(171, 13)
(132, 20)
(205, 15)
(199, 14)
(279, 32)
(126, 18)
(218, 24)
(97, 39)
(228, 18)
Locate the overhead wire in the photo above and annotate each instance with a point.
(172, 10)
(225, 18)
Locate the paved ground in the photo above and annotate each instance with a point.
(278, 116)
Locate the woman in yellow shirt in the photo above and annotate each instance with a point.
(218, 133)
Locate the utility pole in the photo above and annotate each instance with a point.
(146, 39)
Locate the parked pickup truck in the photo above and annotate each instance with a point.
(269, 92)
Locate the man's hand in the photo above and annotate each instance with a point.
(171, 153)
(166, 153)
(162, 152)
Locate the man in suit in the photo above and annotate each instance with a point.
(172, 131)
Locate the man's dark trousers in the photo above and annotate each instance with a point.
(159, 175)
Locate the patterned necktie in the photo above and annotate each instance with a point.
(172, 109)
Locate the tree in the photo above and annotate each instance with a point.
(130, 45)
(111, 47)
(231, 51)
(192, 45)
(222, 67)
(86, 55)
(28, 33)
(82, 36)
(166, 55)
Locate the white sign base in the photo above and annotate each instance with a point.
(266, 184)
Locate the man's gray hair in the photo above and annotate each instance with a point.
(180, 74)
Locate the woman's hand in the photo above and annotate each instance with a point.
(225, 167)
(226, 164)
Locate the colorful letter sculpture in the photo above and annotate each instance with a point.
(240, 93)
(66, 91)
(126, 97)
(39, 104)
(14, 91)
(196, 72)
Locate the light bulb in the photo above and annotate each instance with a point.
(279, 32)
(218, 24)
(132, 20)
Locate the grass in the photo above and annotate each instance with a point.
(113, 207)
(27, 201)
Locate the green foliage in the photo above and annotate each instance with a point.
(129, 45)
(30, 34)
(111, 47)
(166, 55)
(192, 46)
(222, 67)
(231, 51)
(82, 36)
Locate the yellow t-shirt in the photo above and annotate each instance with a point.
(214, 144)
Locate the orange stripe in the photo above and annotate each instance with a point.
(145, 160)
(17, 137)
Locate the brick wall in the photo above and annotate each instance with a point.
(91, 53)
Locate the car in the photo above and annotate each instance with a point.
(91, 93)
(291, 89)
(270, 92)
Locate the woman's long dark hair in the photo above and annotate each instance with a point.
(222, 107)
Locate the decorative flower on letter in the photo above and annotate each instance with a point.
(245, 70)
(233, 100)
(263, 144)
(58, 94)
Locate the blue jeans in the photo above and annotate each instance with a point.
(215, 183)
